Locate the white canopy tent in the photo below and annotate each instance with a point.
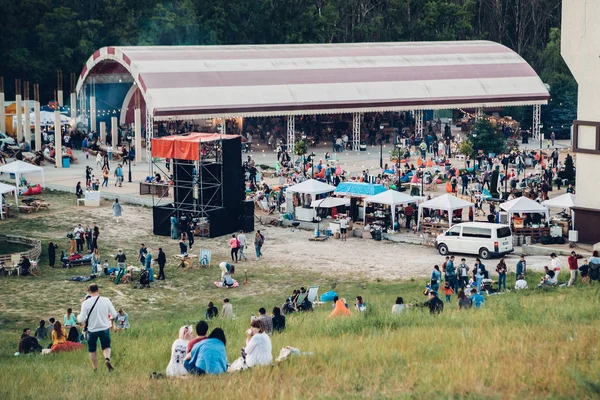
(566, 200)
(21, 168)
(392, 198)
(4, 188)
(310, 189)
(447, 203)
(330, 202)
(46, 118)
(523, 205)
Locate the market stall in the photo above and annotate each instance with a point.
(357, 192)
(446, 202)
(563, 202)
(20, 168)
(534, 226)
(332, 203)
(299, 198)
(4, 208)
(391, 199)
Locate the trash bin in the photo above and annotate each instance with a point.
(376, 234)
(66, 162)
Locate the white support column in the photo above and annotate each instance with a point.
(19, 105)
(93, 113)
(537, 116)
(73, 106)
(114, 132)
(103, 136)
(479, 114)
(356, 118)
(291, 135)
(138, 134)
(38, 127)
(27, 123)
(419, 123)
(57, 140)
(82, 109)
(60, 98)
(149, 136)
(2, 114)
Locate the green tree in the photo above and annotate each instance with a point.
(569, 169)
(485, 137)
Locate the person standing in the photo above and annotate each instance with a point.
(190, 235)
(521, 268)
(161, 259)
(117, 209)
(501, 270)
(463, 273)
(79, 233)
(234, 245)
(121, 258)
(451, 274)
(118, 175)
(148, 264)
(573, 267)
(105, 176)
(142, 255)
(259, 240)
(343, 228)
(227, 311)
(94, 314)
(95, 234)
(52, 254)
(243, 242)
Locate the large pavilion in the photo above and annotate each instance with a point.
(201, 82)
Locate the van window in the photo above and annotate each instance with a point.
(454, 231)
(482, 233)
(504, 232)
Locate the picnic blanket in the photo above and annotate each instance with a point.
(82, 278)
(220, 284)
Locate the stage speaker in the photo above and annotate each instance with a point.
(161, 216)
(222, 222)
(233, 180)
(247, 223)
(248, 208)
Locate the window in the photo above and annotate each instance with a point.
(482, 233)
(504, 232)
(454, 231)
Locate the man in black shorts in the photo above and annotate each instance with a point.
(343, 228)
(95, 311)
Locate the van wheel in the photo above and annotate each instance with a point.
(443, 249)
(484, 253)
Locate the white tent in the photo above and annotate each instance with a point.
(566, 200)
(330, 202)
(392, 198)
(523, 205)
(311, 186)
(21, 168)
(46, 118)
(4, 188)
(445, 202)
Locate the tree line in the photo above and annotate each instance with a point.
(41, 36)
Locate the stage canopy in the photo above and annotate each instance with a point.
(184, 147)
(188, 82)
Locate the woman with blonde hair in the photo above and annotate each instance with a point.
(178, 350)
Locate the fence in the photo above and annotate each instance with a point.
(33, 254)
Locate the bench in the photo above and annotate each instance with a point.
(158, 189)
(79, 201)
(26, 209)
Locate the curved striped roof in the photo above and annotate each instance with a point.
(262, 80)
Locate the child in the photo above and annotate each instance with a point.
(448, 291)
(182, 247)
(87, 155)
(584, 269)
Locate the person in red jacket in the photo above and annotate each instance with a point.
(573, 267)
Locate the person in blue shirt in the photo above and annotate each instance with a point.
(451, 274)
(436, 278)
(208, 356)
(148, 264)
(477, 298)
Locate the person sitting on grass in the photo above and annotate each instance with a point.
(212, 311)
(267, 322)
(287, 307)
(41, 333)
(584, 270)
(550, 279)
(178, 352)
(258, 349)
(399, 307)
(70, 343)
(209, 356)
(477, 298)
(58, 334)
(201, 331)
(360, 305)
(122, 320)
(28, 344)
(339, 309)
(464, 302)
(435, 305)
(521, 283)
(228, 280)
(278, 320)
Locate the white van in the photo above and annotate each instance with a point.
(482, 238)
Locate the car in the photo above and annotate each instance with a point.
(481, 238)
(4, 138)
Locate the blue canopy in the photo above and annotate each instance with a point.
(359, 189)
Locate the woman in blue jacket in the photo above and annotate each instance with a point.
(209, 356)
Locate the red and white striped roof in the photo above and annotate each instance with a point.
(263, 80)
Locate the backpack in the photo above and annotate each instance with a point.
(262, 239)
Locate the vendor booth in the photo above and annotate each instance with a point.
(300, 197)
(564, 220)
(531, 225)
(20, 168)
(357, 192)
(389, 200)
(4, 208)
(446, 202)
(331, 203)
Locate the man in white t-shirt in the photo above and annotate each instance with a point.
(521, 283)
(343, 228)
(555, 262)
(99, 313)
(243, 242)
(79, 237)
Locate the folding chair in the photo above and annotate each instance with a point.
(313, 292)
(205, 258)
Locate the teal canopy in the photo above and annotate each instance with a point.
(359, 189)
